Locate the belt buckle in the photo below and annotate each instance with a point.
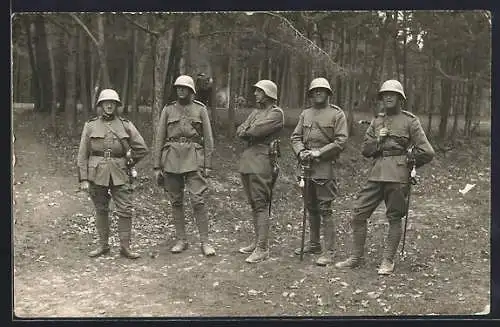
(107, 153)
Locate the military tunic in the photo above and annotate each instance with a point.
(324, 130)
(260, 128)
(183, 147)
(98, 141)
(101, 161)
(389, 175)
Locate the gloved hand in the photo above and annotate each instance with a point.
(207, 172)
(383, 132)
(84, 186)
(304, 155)
(315, 154)
(158, 177)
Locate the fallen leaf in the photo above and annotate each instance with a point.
(253, 292)
(467, 188)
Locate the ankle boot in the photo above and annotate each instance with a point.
(261, 251)
(201, 217)
(125, 228)
(251, 247)
(180, 229)
(326, 257)
(314, 245)
(358, 244)
(102, 226)
(391, 246)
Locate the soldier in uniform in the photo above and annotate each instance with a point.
(320, 137)
(109, 146)
(182, 155)
(387, 140)
(258, 171)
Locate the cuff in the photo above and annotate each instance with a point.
(82, 174)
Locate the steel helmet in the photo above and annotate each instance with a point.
(108, 94)
(269, 87)
(320, 82)
(392, 86)
(185, 80)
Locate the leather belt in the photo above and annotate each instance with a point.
(106, 154)
(391, 153)
(183, 139)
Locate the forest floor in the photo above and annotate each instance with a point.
(446, 269)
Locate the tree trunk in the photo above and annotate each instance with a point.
(247, 83)
(445, 103)
(16, 72)
(230, 86)
(70, 96)
(173, 69)
(214, 119)
(35, 76)
(405, 56)
(259, 74)
(269, 68)
(141, 57)
(431, 91)
(101, 48)
(454, 107)
(53, 108)
(43, 65)
(125, 89)
(242, 81)
(468, 109)
(161, 46)
(353, 60)
(283, 93)
(61, 56)
(339, 84)
(84, 90)
(395, 57)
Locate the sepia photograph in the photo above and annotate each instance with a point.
(251, 164)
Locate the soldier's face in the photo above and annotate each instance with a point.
(108, 106)
(390, 100)
(259, 95)
(182, 92)
(319, 95)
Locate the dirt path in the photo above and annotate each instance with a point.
(446, 270)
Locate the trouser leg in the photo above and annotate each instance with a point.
(100, 198)
(174, 187)
(122, 195)
(197, 186)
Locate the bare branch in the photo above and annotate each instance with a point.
(311, 44)
(56, 23)
(143, 28)
(85, 28)
(226, 32)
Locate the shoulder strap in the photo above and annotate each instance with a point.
(199, 102)
(123, 143)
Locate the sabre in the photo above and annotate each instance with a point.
(304, 183)
(412, 181)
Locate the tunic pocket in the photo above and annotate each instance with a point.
(91, 169)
